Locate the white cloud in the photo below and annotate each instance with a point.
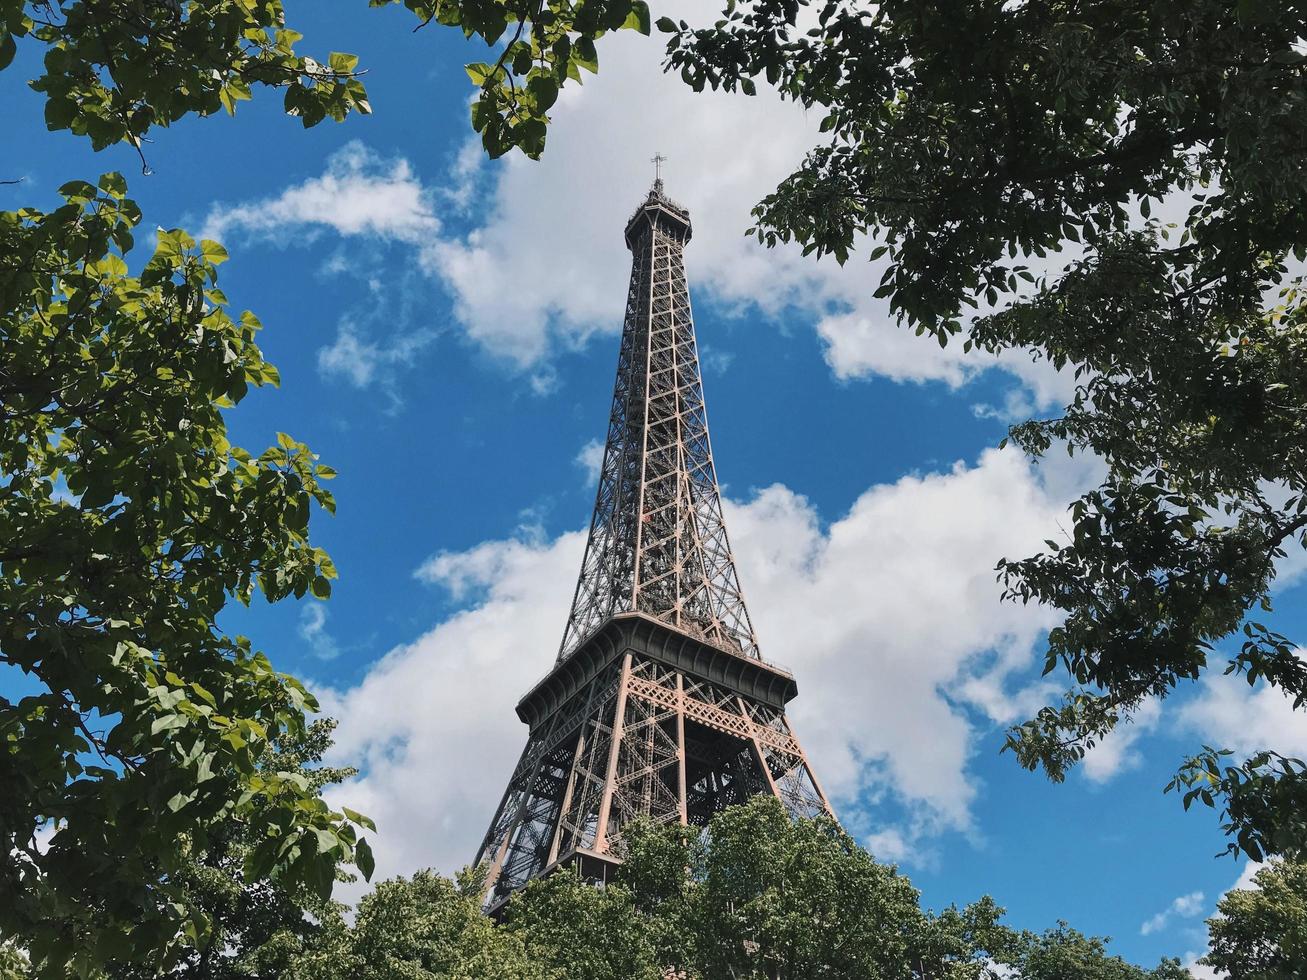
(313, 629)
(726, 152)
(591, 460)
(361, 362)
(432, 723)
(1185, 907)
(1230, 714)
(359, 193)
(1117, 752)
(889, 617)
(545, 267)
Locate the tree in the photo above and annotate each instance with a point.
(128, 521)
(114, 70)
(579, 930)
(756, 896)
(974, 140)
(1064, 952)
(760, 896)
(792, 899)
(423, 928)
(256, 926)
(1260, 933)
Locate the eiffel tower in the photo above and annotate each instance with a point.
(660, 704)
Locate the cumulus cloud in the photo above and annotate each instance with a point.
(858, 611)
(1185, 907)
(526, 304)
(432, 723)
(889, 617)
(1229, 713)
(359, 193)
(1119, 752)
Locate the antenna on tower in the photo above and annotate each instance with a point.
(658, 160)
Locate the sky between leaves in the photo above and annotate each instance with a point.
(446, 332)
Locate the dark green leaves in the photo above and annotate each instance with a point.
(968, 142)
(113, 71)
(548, 47)
(128, 522)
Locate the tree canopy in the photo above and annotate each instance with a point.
(1260, 933)
(978, 147)
(115, 70)
(755, 896)
(256, 925)
(144, 750)
(129, 520)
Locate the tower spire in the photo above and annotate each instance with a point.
(658, 160)
(659, 704)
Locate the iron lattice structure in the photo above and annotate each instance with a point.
(659, 704)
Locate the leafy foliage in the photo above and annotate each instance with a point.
(549, 44)
(13, 964)
(256, 925)
(978, 142)
(757, 896)
(1261, 932)
(423, 928)
(128, 520)
(114, 69)
(583, 931)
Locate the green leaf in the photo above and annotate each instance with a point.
(363, 859)
(479, 72)
(343, 64)
(360, 819)
(638, 18)
(212, 252)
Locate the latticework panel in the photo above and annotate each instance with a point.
(641, 740)
(657, 541)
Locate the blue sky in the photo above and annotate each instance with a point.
(446, 333)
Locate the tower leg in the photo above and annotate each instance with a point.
(680, 749)
(610, 781)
